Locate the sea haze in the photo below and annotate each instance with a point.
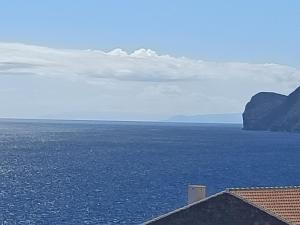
(235, 118)
(125, 172)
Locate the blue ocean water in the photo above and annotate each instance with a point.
(125, 172)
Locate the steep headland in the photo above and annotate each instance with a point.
(272, 111)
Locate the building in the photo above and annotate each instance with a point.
(237, 206)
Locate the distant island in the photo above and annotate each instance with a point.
(273, 112)
(208, 118)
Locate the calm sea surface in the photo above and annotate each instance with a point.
(125, 173)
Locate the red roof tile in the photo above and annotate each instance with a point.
(283, 202)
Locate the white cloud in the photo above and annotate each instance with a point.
(142, 81)
(141, 65)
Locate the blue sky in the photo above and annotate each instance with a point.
(250, 32)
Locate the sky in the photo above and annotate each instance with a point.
(144, 60)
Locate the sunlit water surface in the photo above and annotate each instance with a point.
(125, 173)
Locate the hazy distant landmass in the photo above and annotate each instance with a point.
(274, 112)
(208, 118)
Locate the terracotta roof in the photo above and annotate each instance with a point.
(283, 202)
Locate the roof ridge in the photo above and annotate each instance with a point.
(261, 188)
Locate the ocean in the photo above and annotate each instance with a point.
(87, 172)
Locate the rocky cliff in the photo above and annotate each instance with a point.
(272, 111)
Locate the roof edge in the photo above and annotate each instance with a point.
(183, 208)
(262, 188)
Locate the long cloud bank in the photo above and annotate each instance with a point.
(142, 65)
